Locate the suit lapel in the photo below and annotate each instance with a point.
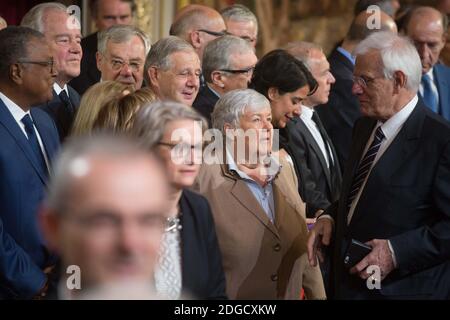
(49, 142)
(313, 144)
(360, 139)
(244, 195)
(443, 89)
(13, 128)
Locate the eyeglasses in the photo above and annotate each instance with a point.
(49, 63)
(182, 150)
(214, 33)
(118, 64)
(247, 71)
(363, 81)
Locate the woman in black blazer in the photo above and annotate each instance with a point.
(190, 261)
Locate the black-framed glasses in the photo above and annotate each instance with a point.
(214, 33)
(239, 71)
(49, 63)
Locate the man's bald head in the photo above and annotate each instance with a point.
(427, 27)
(3, 23)
(198, 25)
(359, 29)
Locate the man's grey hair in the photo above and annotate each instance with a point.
(302, 51)
(218, 54)
(232, 106)
(397, 54)
(121, 34)
(239, 12)
(151, 121)
(74, 162)
(161, 52)
(34, 18)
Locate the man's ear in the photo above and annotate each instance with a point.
(16, 73)
(400, 81)
(195, 39)
(153, 75)
(99, 58)
(273, 93)
(217, 79)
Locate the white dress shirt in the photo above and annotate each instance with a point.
(58, 89)
(18, 113)
(306, 117)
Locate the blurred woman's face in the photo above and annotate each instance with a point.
(181, 150)
(286, 106)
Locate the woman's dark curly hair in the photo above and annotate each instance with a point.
(281, 70)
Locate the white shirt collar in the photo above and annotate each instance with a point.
(393, 125)
(307, 113)
(430, 74)
(17, 112)
(58, 89)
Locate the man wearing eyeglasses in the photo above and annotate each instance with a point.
(62, 32)
(228, 64)
(121, 55)
(395, 196)
(29, 140)
(198, 25)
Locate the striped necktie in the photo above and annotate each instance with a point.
(365, 165)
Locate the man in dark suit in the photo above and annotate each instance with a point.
(427, 27)
(228, 64)
(63, 34)
(29, 140)
(342, 109)
(395, 194)
(105, 13)
(308, 134)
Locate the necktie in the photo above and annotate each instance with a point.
(365, 165)
(65, 99)
(316, 119)
(429, 94)
(32, 139)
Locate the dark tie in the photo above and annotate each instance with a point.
(429, 95)
(32, 139)
(316, 119)
(65, 98)
(365, 165)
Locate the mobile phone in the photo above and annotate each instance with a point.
(356, 251)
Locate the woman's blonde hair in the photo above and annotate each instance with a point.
(118, 114)
(93, 101)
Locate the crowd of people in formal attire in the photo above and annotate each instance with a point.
(190, 168)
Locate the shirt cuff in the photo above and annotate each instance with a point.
(391, 249)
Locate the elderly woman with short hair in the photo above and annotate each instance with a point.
(190, 260)
(259, 216)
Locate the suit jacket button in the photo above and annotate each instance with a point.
(277, 247)
(274, 277)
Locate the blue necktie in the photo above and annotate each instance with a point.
(365, 165)
(429, 95)
(32, 139)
